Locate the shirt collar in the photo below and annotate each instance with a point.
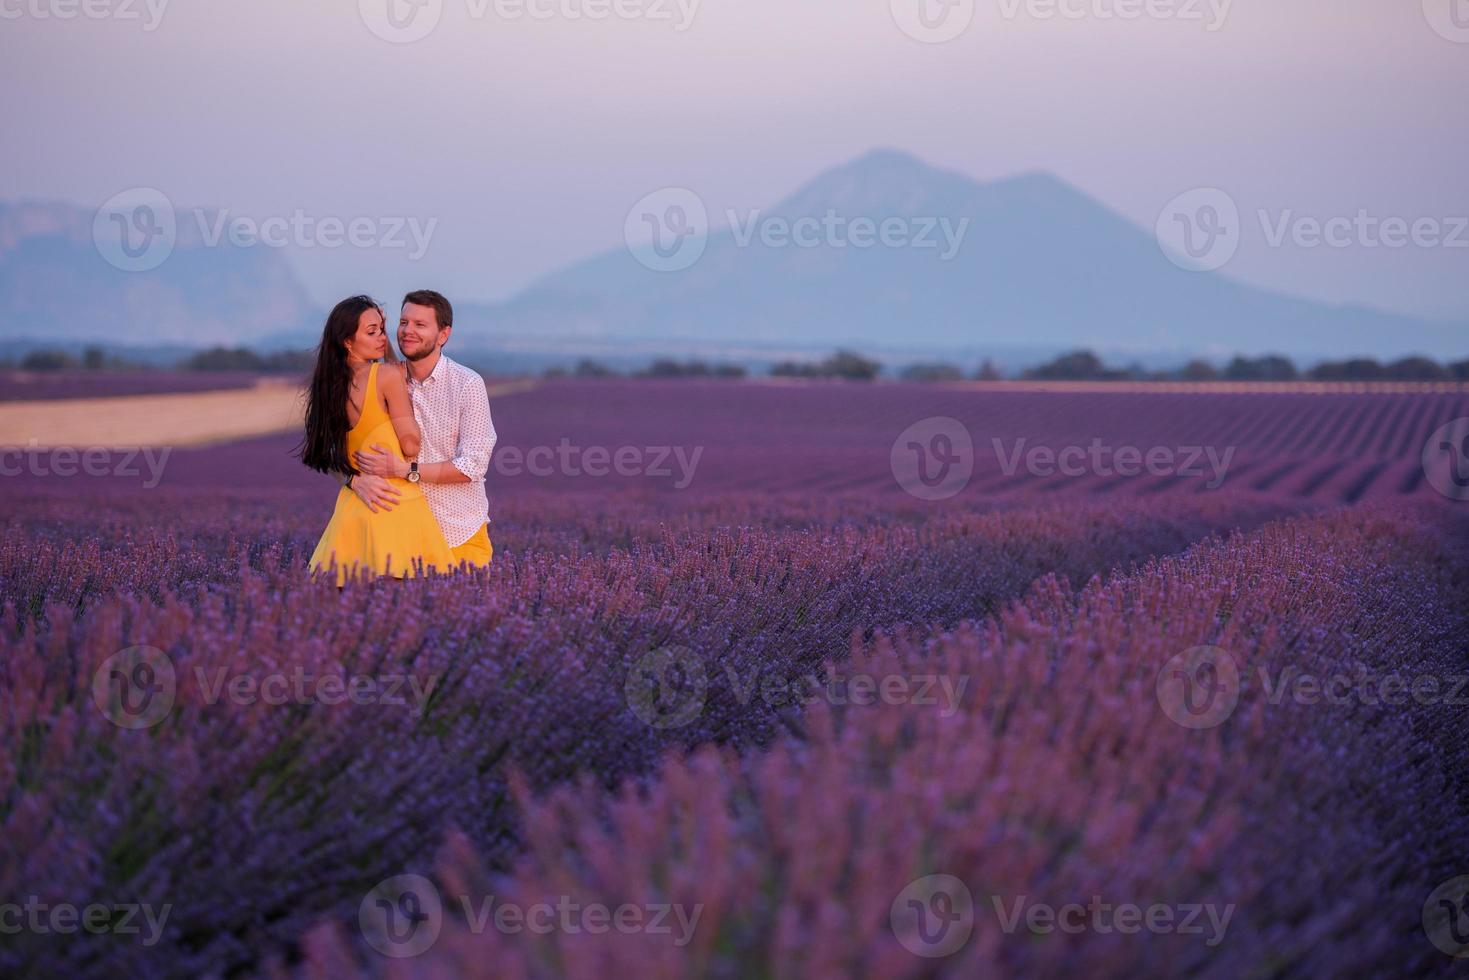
(439, 370)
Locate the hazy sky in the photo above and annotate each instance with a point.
(528, 138)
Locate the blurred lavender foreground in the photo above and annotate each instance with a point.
(639, 743)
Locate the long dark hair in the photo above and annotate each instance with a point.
(325, 445)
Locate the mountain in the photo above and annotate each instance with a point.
(1039, 264)
(57, 283)
(1040, 267)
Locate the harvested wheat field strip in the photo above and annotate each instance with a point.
(183, 420)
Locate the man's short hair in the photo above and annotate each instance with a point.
(443, 312)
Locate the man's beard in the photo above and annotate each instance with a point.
(425, 352)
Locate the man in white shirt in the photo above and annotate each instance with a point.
(452, 408)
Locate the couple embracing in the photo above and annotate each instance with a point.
(410, 440)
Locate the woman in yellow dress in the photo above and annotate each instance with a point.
(355, 402)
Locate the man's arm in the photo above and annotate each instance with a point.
(471, 460)
(476, 436)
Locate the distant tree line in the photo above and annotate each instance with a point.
(91, 359)
(213, 359)
(661, 368)
(244, 359)
(1078, 365)
(844, 364)
(1084, 365)
(841, 364)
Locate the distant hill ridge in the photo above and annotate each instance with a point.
(1040, 264)
(1036, 264)
(55, 284)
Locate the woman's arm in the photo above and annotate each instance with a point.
(400, 408)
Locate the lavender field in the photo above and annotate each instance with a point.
(783, 680)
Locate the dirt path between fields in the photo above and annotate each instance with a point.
(183, 420)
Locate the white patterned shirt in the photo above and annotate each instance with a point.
(452, 409)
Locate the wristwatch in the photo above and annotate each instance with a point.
(413, 476)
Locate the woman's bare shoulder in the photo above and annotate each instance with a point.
(390, 377)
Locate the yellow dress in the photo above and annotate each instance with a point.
(388, 541)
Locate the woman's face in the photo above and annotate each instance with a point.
(371, 340)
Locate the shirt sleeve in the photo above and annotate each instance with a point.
(476, 432)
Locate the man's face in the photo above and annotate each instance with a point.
(418, 332)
